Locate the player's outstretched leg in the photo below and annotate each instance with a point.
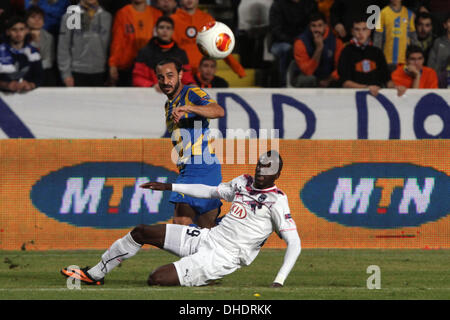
(121, 249)
(164, 276)
(185, 215)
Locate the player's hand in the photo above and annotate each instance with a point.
(413, 71)
(113, 75)
(157, 186)
(324, 83)
(276, 285)
(178, 113)
(13, 86)
(26, 86)
(401, 90)
(318, 40)
(340, 29)
(69, 82)
(374, 90)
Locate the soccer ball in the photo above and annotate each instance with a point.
(215, 40)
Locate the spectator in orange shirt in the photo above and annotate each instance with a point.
(316, 53)
(189, 20)
(132, 29)
(414, 74)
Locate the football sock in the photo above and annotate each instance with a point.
(121, 249)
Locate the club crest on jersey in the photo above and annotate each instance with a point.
(238, 210)
(191, 32)
(262, 197)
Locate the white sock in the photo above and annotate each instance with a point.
(121, 249)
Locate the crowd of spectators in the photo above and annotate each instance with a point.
(313, 43)
(94, 43)
(346, 45)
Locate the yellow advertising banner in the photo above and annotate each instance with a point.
(84, 194)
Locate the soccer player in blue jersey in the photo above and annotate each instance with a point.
(188, 110)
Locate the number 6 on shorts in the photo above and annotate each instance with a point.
(193, 232)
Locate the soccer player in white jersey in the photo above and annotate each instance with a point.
(258, 209)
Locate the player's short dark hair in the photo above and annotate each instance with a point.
(447, 17)
(359, 18)
(11, 22)
(423, 15)
(165, 19)
(205, 58)
(413, 49)
(34, 10)
(175, 61)
(317, 16)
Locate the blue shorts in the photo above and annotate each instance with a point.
(209, 174)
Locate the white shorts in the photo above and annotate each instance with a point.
(201, 260)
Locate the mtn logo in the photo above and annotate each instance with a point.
(104, 195)
(379, 195)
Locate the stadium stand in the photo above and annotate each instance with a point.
(253, 36)
(224, 71)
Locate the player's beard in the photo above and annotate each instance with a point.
(171, 94)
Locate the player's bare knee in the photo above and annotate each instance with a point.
(138, 233)
(156, 279)
(182, 220)
(151, 281)
(164, 276)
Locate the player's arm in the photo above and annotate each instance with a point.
(200, 104)
(290, 257)
(286, 228)
(225, 190)
(211, 111)
(192, 190)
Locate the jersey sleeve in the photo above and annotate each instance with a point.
(227, 190)
(281, 217)
(199, 97)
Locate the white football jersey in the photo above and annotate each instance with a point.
(253, 216)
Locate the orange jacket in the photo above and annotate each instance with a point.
(131, 31)
(186, 28)
(306, 64)
(428, 79)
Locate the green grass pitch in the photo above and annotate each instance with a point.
(319, 274)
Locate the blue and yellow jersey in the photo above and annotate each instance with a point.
(190, 136)
(396, 28)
